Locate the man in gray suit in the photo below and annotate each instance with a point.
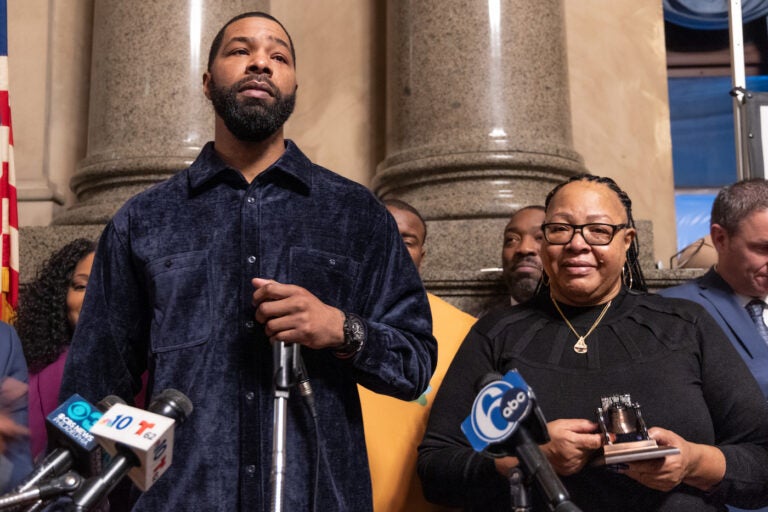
(735, 290)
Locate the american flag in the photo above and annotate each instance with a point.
(9, 219)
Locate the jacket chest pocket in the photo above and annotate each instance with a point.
(331, 277)
(180, 292)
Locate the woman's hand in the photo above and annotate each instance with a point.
(698, 465)
(505, 464)
(572, 444)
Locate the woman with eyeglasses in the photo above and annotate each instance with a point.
(593, 331)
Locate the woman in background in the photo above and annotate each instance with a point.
(49, 308)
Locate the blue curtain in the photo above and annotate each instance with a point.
(710, 14)
(701, 119)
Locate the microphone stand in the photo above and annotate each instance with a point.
(535, 464)
(287, 362)
(64, 484)
(518, 491)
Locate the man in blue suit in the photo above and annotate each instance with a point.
(734, 291)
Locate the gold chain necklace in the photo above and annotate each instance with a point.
(581, 346)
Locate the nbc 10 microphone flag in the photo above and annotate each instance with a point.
(9, 241)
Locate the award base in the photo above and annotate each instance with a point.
(632, 451)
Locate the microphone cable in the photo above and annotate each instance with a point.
(305, 388)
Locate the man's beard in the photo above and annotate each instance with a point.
(523, 288)
(252, 119)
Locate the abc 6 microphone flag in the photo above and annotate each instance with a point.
(497, 410)
(146, 434)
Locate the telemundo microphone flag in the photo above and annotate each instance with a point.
(9, 242)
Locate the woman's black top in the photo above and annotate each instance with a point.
(668, 354)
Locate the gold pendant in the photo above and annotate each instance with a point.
(580, 347)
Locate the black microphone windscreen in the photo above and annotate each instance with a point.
(487, 379)
(172, 404)
(108, 401)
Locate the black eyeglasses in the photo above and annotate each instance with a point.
(595, 233)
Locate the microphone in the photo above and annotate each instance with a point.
(506, 420)
(140, 442)
(68, 429)
(290, 369)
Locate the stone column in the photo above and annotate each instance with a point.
(148, 117)
(478, 125)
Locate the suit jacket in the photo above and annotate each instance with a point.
(717, 297)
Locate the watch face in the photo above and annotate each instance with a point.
(357, 330)
(354, 335)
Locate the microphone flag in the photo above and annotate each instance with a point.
(148, 435)
(497, 411)
(74, 419)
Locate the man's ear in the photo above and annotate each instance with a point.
(206, 81)
(719, 236)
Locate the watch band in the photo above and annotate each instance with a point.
(355, 334)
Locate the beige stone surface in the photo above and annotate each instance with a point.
(67, 97)
(29, 57)
(619, 104)
(340, 60)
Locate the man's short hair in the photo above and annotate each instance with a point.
(735, 202)
(402, 205)
(216, 44)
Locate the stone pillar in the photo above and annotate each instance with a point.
(148, 116)
(478, 124)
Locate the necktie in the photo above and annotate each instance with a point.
(755, 309)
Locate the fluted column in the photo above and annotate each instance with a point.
(148, 116)
(478, 124)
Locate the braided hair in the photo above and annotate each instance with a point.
(632, 271)
(41, 319)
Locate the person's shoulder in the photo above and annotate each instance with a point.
(683, 290)
(507, 317)
(11, 353)
(158, 194)
(676, 323)
(51, 373)
(7, 332)
(664, 306)
(326, 178)
(167, 194)
(157, 202)
(443, 309)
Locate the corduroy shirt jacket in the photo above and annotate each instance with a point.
(170, 292)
